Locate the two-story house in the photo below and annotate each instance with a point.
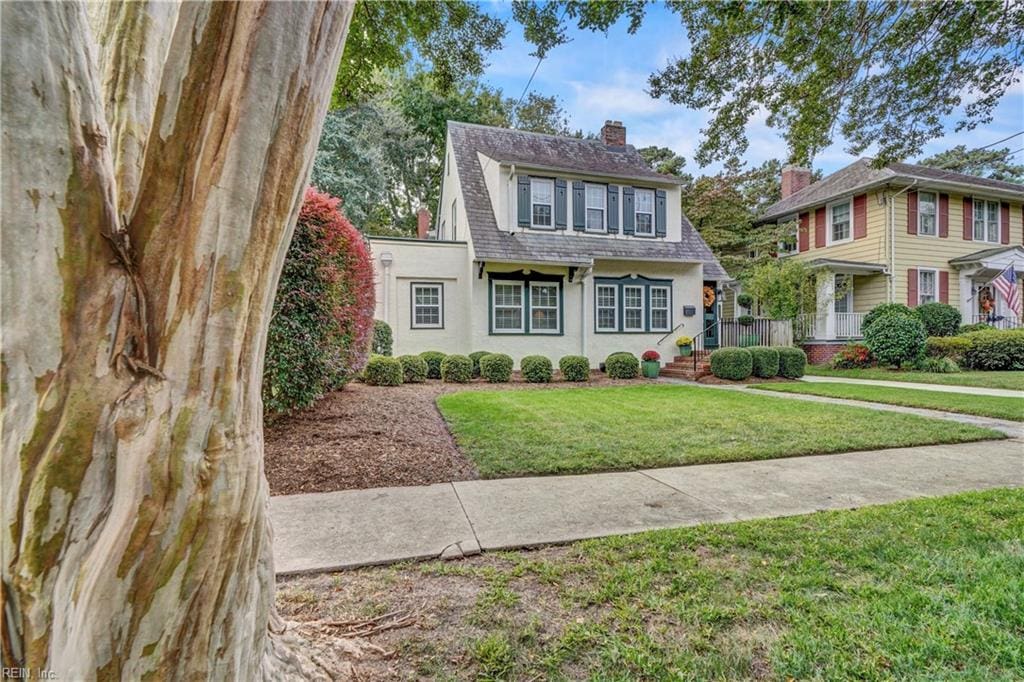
(901, 233)
(547, 245)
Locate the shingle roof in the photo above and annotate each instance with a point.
(861, 174)
(568, 154)
(983, 254)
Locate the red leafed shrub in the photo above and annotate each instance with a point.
(322, 326)
(650, 355)
(853, 356)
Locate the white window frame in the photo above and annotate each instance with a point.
(920, 287)
(551, 206)
(439, 287)
(556, 308)
(829, 241)
(455, 230)
(494, 307)
(667, 307)
(614, 307)
(920, 215)
(848, 296)
(793, 247)
(637, 212)
(642, 308)
(985, 223)
(587, 208)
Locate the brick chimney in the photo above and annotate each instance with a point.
(794, 179)
(613, 134)
(422, 222)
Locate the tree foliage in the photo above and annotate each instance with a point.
(883, 74)
(784, 287)
(322, 325)
(988, 163)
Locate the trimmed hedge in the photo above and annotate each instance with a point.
(622, 365)
(939, 319)
(735, 364)
(383, 339)
(895, 339)
(574, 368)
(952, 347)
(433, 358)
(883, 310)
(536, 369)
(475, 359)
(976, 327)
(382, 370)
(496, 367)
(995, 349)
(414, 369)
(792, 362)
(456, 369)
(765, 361)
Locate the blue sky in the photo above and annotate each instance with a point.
(598, 77)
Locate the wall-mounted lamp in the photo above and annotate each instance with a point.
(386, 258)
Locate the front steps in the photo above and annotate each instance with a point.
(683, 367)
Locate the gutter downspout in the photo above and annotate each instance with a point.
(583, 273)
(892, 241)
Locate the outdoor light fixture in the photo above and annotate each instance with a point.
(386, 258)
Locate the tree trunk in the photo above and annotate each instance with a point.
(154, 162)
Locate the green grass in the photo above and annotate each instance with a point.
(927, 589)
(982, 405)
(510, 433)
(1009, 380)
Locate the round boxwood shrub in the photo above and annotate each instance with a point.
(765, 361)
(895, 339)
(382, 370)
(456, 369)
(995, 349)
(883, 310)
(475, 359)
(433, 358)
(414, 369)
(536, 369)
(792, 362)
(622, 365)
(496, 367)
(939, 319)
(382, 338)
(574, 368)
(735, 364)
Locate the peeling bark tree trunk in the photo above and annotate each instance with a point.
(154, 157)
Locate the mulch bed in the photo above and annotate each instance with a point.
(373, 436)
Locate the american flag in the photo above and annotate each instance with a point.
(1006, 284)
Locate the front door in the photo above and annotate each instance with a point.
(710, 316)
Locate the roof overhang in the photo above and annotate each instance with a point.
(589, 175)
(850, 267)
(995, 258)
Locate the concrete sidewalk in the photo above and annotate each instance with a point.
(970, 390)
(331, 531)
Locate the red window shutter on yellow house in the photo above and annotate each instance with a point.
(804, 235)
(943, 287)
(1004, 222)
(819, 228)
(968, 218)
(911, 212)
(860, 216)
(943, 215)
(912, 287)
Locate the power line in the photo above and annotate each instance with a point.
(1002, 140)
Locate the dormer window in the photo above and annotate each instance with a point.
(596, 196)
(644, 212)
(542, 197)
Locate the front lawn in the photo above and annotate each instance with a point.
(927, 589)
(1009, 380)
(982, 405)
(514, 433)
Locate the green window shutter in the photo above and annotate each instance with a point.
(524, 201)
(578, 213)
(613, 209)
(659, 213)
(560, 209)
(628, 214)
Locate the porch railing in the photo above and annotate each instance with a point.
(815, 326)
(1003, 321)
(848, 325)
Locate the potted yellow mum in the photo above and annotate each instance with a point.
(685, 344)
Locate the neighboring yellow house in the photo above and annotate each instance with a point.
(902, 233)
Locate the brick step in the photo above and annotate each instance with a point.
(701, 355)
(687, 365)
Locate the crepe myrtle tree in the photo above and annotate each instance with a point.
(154, 158)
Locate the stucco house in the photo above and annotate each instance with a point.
(901, 233)
(547, 245)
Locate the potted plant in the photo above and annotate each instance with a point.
(651, 366)
(685, 345)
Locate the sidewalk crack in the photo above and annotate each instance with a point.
(466, 514)
(686, 494)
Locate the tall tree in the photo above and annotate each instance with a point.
(663, 160)
(885, 74)
(997, 164)
(153, 169)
